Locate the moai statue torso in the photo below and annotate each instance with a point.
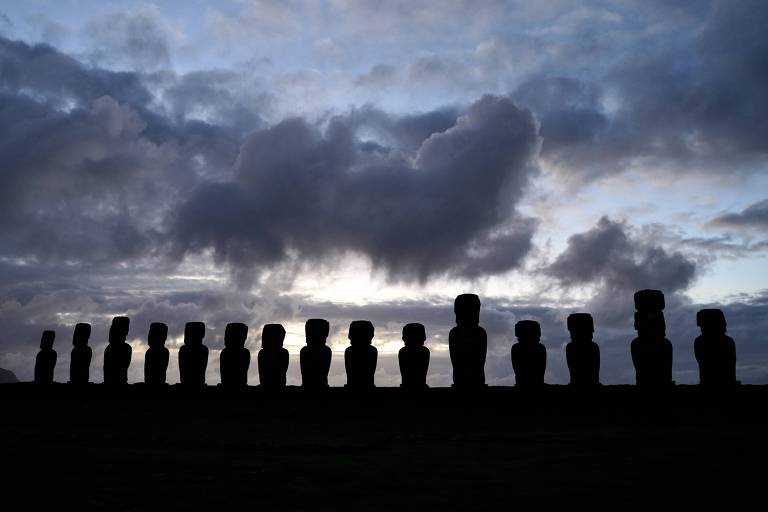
(235, 358)
(315, 357)
(651, 350)
(117, 355)
(45, 362)
(361, 356)
(582, 354)
(414, 357)
(80, 358)
(157, 355)
(529, 356)
(273, 358)
(468, 343)
(715, 351)
(193, 355)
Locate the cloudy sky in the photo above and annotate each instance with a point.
(270, 161)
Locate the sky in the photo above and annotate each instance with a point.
(266, 161)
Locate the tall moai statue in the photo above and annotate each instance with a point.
(157, 355)
(193, 355)
(117, 355)
(715, 351)
(80, 358)
(235, 358)
(582, 353)
(45, 362)
(468, 343)
(361, 356)
(529, 356)
(315, 357)
(273, 358)
(414, 357)
(651, 350)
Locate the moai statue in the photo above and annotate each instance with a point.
(272, 358)
(581, 353)
(193, 355)
(715, 351)
(414, 357)
(360, 357)
(529, 356)
(80, 358)
(117, 355)
(45, 362)
(156, 357)
(315, 358)
(651, 350)
(468, 343)
(235, 358)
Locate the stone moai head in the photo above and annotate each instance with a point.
(528, 331)
(118, 331)
(47, 339)
(158, 333)
(81, 335)
(235, 334)
(581, 326)
(711, 321)
(649, 300)
(316, 331)
(467, 309)
(414, 335)
(272, 336)
(360, 332)
(194, 332)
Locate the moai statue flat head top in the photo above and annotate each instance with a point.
(47, 339)
(528, 330)
(360, 332)
(581, 326)
(118, 331)
(711, 321)
(235, 334)
(158, 333)
(194, 332)
(414, 335)
(467, 309)
(649, 300)
(316, 331)
(272, 336)
(81, 335)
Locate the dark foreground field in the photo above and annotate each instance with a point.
(616, 448)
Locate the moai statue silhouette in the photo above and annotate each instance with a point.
(414, 357)
(651, 350)
(581, 353)
(117, 355)
(529, 356)
(468, 343)
(156, 357)
(315, 357)
(193, 355)
(272, 358)
(80, 358)
(235, 358)
(45, 362)
(715, 351)
(361, 356)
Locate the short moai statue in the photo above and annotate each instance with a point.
(582, 353)
(651, 350)
(361, 356)
(715, 351)
(468, 343)
(117, 355)
(235, 358)
(157, 355)
(315, 357)
(529, 356)
(414, 357)
(80, 358)
(193, 355)
(273, 358)
(45, 362)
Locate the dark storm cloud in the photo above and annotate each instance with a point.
(753, 216)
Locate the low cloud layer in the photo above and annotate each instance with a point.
(753, 216)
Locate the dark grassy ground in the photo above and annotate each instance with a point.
(617, 447)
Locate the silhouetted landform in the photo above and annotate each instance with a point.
(80, 357)
(529, 356)
(315, 358)
(273, 358)
(361, 356)
(7, 377)
(156, 357)
(651, 350)
(413, 358)
(468, 343)
(45, 362)
(117, 355)
(193, 355)
(714, 350)
(582, 354)
(235, 358)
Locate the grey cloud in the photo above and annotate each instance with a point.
(753, 216)
(136, 40)
(379, 76)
